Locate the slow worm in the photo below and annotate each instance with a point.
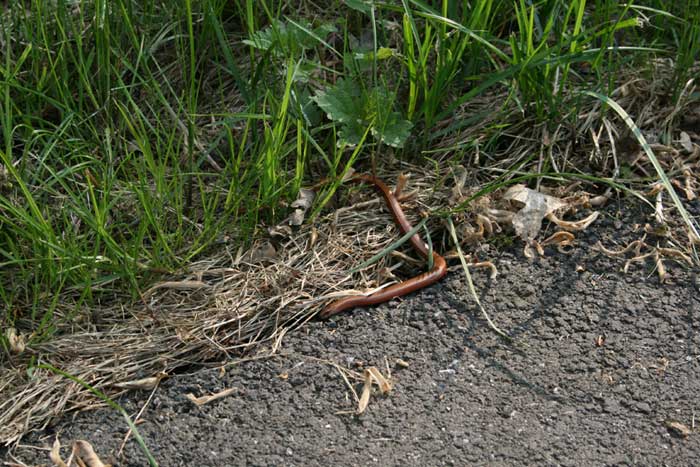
(397, 290)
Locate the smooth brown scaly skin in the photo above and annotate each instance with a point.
(397, 290)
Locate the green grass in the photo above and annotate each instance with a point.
(138, 135)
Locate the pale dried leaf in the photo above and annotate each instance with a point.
(297, 217)
(528, 221)
(16, 341)
(372, 375)
(598, 201)
(366, 391)
(686, 142)
(559, 238)
(304, 200)
(675, 254)
(301, 205)
(55, 454)
(383, 383)
(457, 191)
(660, 268)
(144, 383)
(636, 245)
(529, 252)
(206, 399)
(574, 225)
(677, 428)
(86, 453)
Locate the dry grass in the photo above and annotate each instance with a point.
(219, 309)
(234, 301)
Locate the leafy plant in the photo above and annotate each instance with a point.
(356, 109)
(290, 38)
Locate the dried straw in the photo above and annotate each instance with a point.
(221, 308)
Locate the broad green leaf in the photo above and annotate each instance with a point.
(343, 102)
(356, 110)
(395, 132)
(288, 37)
(365, 6)
(351, 133)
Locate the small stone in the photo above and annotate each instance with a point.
(643, 407)
(611, 405)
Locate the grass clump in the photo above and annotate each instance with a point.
(138, 134)
(140, 137)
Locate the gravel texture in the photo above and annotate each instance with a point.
(600, 364)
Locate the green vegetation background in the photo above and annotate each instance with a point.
(137, 135)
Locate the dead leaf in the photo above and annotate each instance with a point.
(528, 220)
(366, 392)
(660, 268)
(384, 384)
(206, 399)
(598, 201)
(529, 251)
(559, 238)
(686, 142)
(301, 205)
(457, 193)
(55, 454)
(144, 383)
(573, 225)
(674, 254)
(486, 265)
(635, 246)
(86, 453)
(305, 199)
(372, 375)
(16, 341)
(677, 428)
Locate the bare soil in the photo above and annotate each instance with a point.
(600, 364)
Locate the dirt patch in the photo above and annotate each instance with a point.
(600, 363)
